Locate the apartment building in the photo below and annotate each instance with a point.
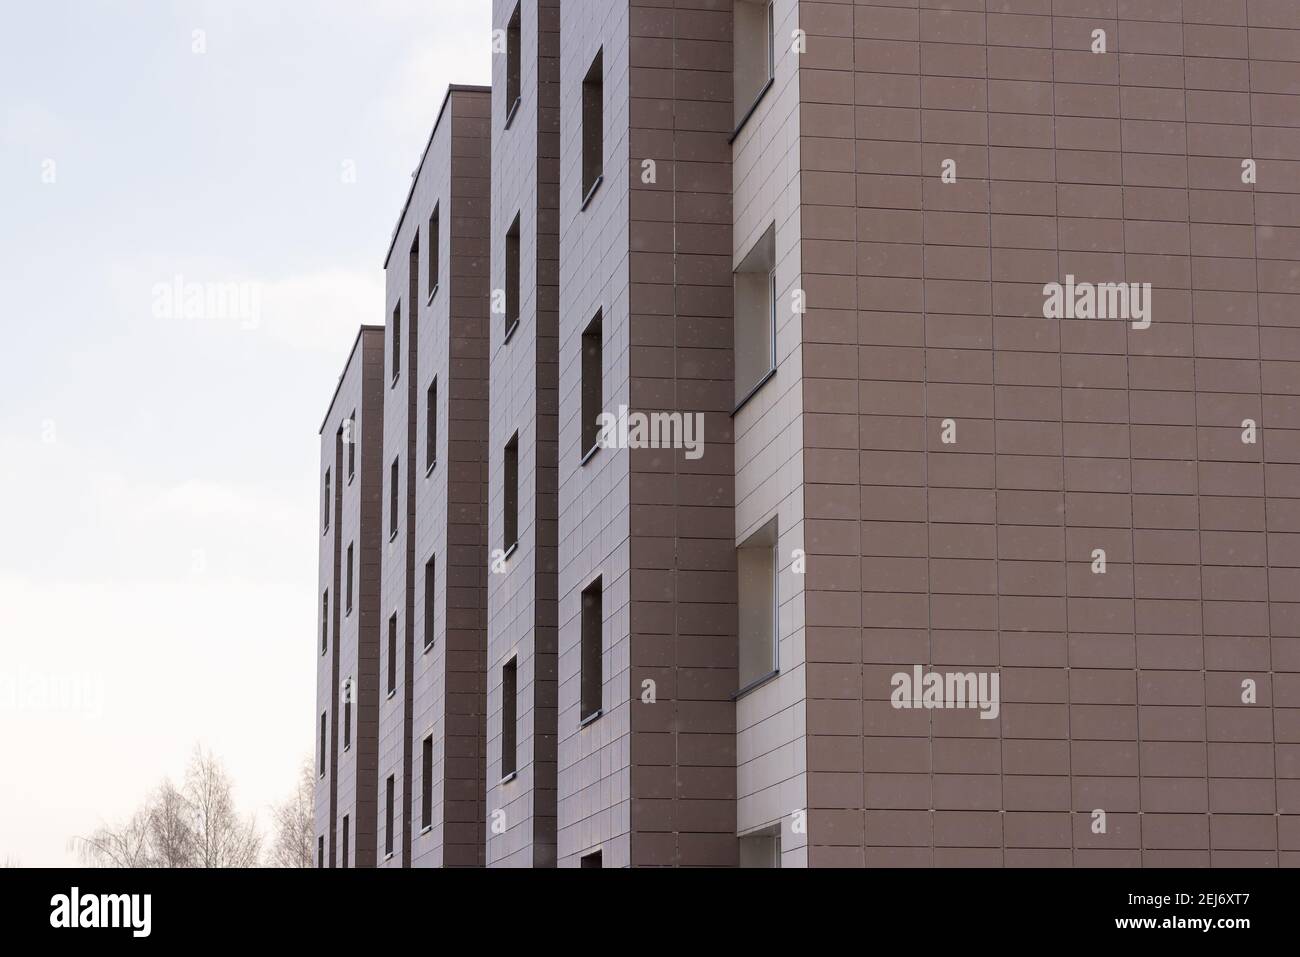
(892, 436)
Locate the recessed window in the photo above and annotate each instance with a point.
(426, 784)
(329, 501)
(347, 714)
(433, 251)
(430, 599)
(351, 439)
(761, 849)
(514, 45)
(392, 655)
(512, 277)
(509, 693)
(754, 53)
(431, 426)
(593, 681)
(397, 341)
(320, 851)
(593, 127)
(325, 621)
(349, 580)
(388, 820)
(510, 494)
(594, 859)
(754, 331)
(592, 389)
(324, 730)
(346, 822)
(756, 572)
(392, 499)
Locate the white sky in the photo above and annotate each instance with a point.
(158, 527)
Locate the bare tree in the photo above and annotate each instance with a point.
(220, 837)
(295, 822)
(126, 845)
(10, 862)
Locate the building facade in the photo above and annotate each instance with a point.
(886, 429)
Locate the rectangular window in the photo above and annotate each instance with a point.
(509, 693)
(325, 622)
(592, 658)
(434, 246)
(510, 494)
(349, 579)
(329, 501)
(345, 840)
(397, 342)
(754, 331)
(392, 655)
(593, 399)
(512, 277)
(761, 849)
(347, 714)
(513, 51)
(431, 426)
(430, 599)
(593, 127)
(594, 859)
(324, 731)
(754, 53)
(756, 572)
(320, 851)
(351, 439)
(426, 784)
(388, 820)
(392, 500)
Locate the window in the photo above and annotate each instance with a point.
(756, 572)
(345, 840)
(320, 851)
(329, 501)
(433, 251)
(431, 427)
(349, 579)
(512, 277)
(392, 500)
(593, 127)
(397, 342)
(430, 599)
(325, 622)
(388, 821)
(392, 655)
(762, 848)
(592, 679)
(754, 332)
(510, 494)
(323, 732)
(591, 860)
(347, 714)
(754, 48)
(351, 439)
(592, 389)
(426, 784)
(509, 692)
(513, 44)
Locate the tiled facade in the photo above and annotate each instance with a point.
(1103, 514)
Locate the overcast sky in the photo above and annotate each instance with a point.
(158, 527)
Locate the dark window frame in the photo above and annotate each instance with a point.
(592, 659)
(510, 719)
(593, 128)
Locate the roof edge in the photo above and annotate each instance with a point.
(365, 327)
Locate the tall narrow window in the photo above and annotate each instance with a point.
(347, 714)
(426, 784)
(593, 127)
(434, 246)
(513, 50)
(392, 500)
(430, 599)
(397, 341)
(329, 502)
(512, 277)
(320, 851)
(345, 840)
(594, 859)
(431, 426)
(761, 849)
(351, 439)
(324, 731)
(510, 494)
(592, 658)
(349, 579)
(754, 55)
(756, 571)
(754, 331)
(509, 693)
(592, 389)
(325, 621)
(388, 820)
(392, 655)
